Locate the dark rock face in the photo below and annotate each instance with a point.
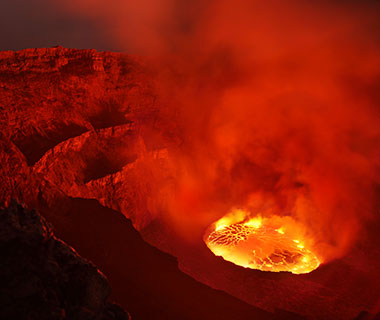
(43, 278)
(144, 280)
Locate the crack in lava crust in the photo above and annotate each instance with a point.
(257, 245)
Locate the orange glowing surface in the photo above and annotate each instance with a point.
(261, 243)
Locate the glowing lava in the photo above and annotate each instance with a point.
(267, 244)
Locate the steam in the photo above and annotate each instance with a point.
(275, 105)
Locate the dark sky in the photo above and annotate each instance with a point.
(39, 23)
(35, 23)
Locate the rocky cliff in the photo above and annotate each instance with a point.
(44, 278)
(72, 123)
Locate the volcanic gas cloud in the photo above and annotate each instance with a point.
(271, 108)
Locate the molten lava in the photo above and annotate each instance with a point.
(268, 244)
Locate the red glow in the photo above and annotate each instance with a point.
(274, 105)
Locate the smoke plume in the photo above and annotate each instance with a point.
(274, 106)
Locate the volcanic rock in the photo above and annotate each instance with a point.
(44, 278)
(72, 122)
